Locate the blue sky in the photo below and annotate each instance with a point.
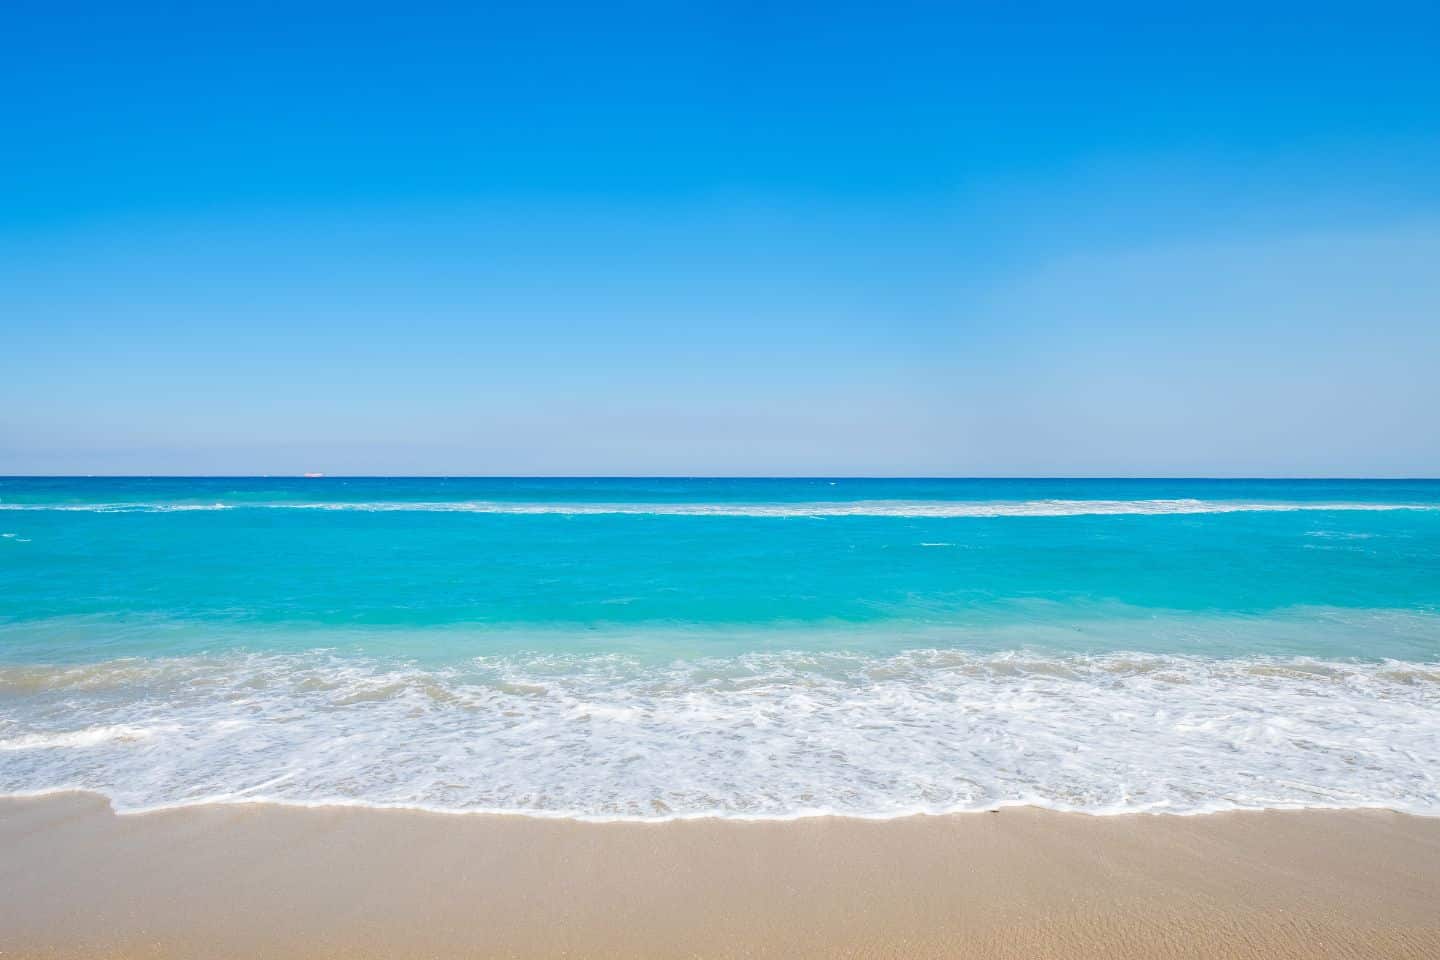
(720, 239)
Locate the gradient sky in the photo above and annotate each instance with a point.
(720, 238)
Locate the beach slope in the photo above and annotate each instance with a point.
(261, 880)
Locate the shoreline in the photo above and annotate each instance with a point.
(565, 816)
(257, 879)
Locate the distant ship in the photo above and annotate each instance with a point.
(312, 476)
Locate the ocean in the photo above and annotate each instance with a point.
(647, 649)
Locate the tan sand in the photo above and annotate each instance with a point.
(265, 881)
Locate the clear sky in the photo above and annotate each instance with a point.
(720, 238)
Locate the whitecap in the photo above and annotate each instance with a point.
(914, 509)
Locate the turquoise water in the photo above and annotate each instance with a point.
(656, 648)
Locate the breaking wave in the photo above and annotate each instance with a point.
(763, 735)
(854, 508)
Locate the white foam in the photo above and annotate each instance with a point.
(79, 739)
(774, 735)
(123, 507)
(918, 509)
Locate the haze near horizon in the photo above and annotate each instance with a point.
(711, 239)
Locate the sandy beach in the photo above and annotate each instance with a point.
(269, 881)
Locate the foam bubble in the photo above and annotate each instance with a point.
(86, 737)
(772, 735)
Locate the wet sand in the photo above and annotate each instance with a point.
(267, 881)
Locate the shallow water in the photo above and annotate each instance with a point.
(659, 648)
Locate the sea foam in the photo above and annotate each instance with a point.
(933, 509)
(761, 735)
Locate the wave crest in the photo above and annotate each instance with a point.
(918, 509)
